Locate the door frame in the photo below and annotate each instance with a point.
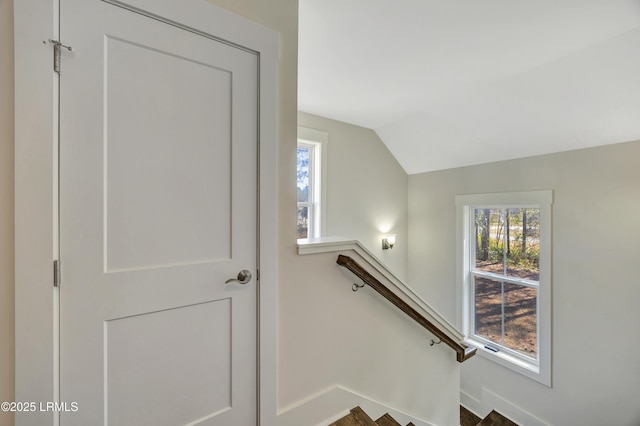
(36, 193)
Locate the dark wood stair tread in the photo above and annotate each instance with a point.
(496, 419)
(467, 418)
(357, 417)
(348, 420)
(387, 420)
(362, 417)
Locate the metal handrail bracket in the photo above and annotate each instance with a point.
(463, 352)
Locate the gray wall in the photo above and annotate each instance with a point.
(330, 335)
(366, 190)
(596, 285)
(6, 208)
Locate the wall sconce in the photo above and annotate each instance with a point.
(388, 241)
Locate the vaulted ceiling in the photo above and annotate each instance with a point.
(449, 83)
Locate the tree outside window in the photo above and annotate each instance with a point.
(507, 249)
(308, 190)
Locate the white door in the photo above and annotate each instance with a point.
(158, 172)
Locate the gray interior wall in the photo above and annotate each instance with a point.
(6, 209)
(366, 190)
(596, 287)
(327, 334)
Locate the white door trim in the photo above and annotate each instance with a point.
(36, 183)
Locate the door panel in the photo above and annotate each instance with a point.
(151, 350)
(152, 137)
(158, 163)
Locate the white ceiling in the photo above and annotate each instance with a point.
(448, 83)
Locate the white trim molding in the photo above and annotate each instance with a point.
(36, 130)
(540, 368)
(333, 403)
(490, 400)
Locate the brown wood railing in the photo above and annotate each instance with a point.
(463, 352)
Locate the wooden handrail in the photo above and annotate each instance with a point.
(463, 352)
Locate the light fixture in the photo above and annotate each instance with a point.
(388, 241)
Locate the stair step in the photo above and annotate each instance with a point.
(357, 417)
(348, 420)
(467, 418)
(496, 419)
(362, 417)
(387, 420)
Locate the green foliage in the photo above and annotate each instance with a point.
(514, 232)
(496, 253)
(530, 259)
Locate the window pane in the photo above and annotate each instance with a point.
(520, 319)
(490, 229)
(488, 309)
(523, 243)
(303, 222)
(303, 175)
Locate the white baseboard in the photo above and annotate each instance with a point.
(472, 404)
(490, 400)
(329, 405)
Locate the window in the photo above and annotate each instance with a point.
(504, 258)
(310, 166)
(307, 190)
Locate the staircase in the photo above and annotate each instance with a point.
(357, 417)
(467, 418)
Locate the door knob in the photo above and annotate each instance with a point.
(244, 277)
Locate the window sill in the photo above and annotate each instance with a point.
(325, 245)
(532, 371)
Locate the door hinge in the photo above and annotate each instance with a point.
(57, 47)
(56, 273)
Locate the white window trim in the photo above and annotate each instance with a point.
(320, 141)
(538, 370)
